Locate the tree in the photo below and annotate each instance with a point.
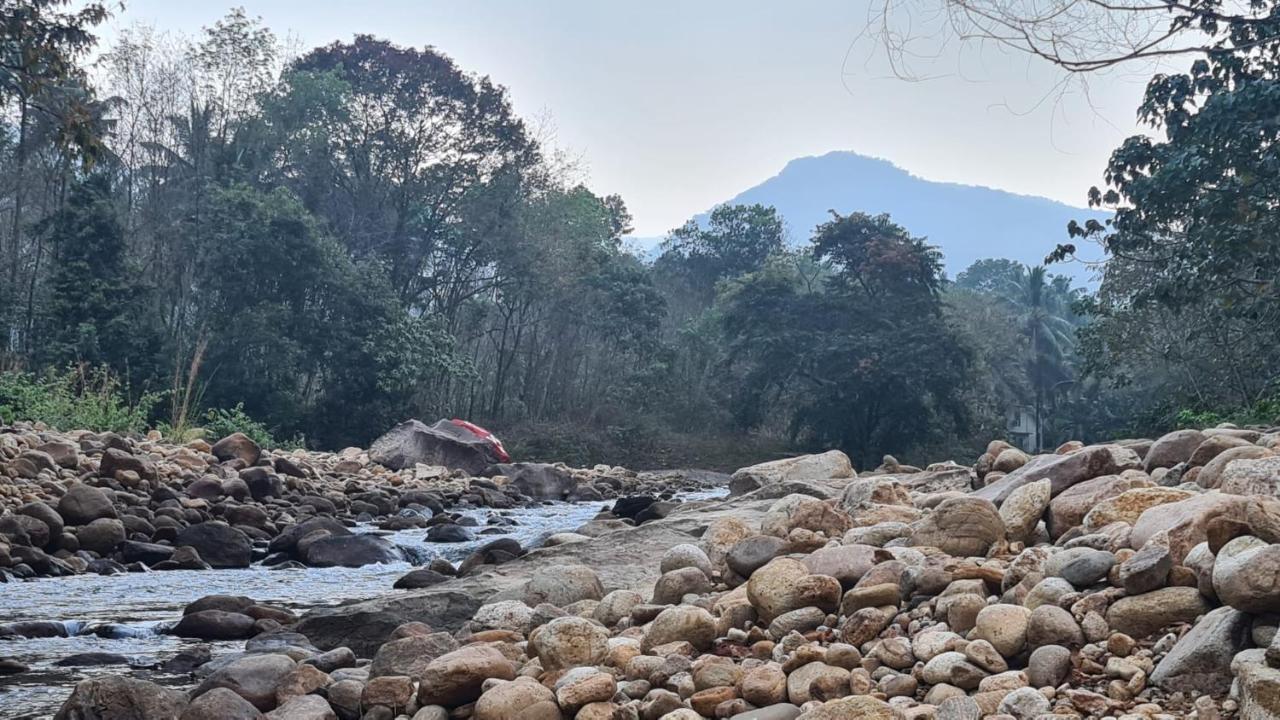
(866, 361)
(1039, 310)
(95, 310)
(736, 240)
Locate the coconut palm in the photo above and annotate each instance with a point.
(1042, 305)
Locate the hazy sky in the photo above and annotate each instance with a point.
(679, 105)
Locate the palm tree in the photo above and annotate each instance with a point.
(1043, 308)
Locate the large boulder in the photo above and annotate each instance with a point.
(252, 677)
(1070, 507)
(82, 504)
(540, 481)
(1201, 661)
(456, 678)
(237, 446)
(351, 551)
(1173, 448)
(1063, 471)
(832, 464)
(1185, 522)
(1244, 575)
(114, 697)
(219, 544)
(1142, 615)
(1212, 473)
(1260, 476)
(962, 526)
(412, 442)
(365, 629)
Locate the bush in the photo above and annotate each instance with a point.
(219, 423)
(78, 399)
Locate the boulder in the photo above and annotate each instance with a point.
(444, 443)
(1063, 471)
(456, 678)
(540, 481)
(522, 699)
(114, 697)
(218, 544)
(351, 551)
(1211, 474)
(82, 504)
(1070, 507)
(252, 677)
(832, 464)
(1022, 511)
(214, 625)
(1201, 661)
(1259, 476)
(237, 446)
(1244, 575)
(221, 704)
(1185, 522)
(563, 585)
(962, 526)
(101, 536)
(1173, 448)
(1142, 615)
(569, 642)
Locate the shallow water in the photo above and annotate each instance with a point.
(137, 605)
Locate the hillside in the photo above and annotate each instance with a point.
(968, 222)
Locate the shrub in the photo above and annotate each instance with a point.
(78, 398)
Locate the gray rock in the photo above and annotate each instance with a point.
(1048, 666)
(1081, 567)
(1201, 661)
(1146, 570)
(411, 442)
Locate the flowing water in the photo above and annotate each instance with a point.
(123, 614)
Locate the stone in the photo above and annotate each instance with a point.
(237, 446)
(113, 697)
(1081, 567)
(682, 622)
(1244, 575)
(804, 512)
(219, 544)
(1184, 522)
(686, 556)
(1173, 448)
(1211, 475)
(1142, 615)
(1051, 625)
(569, 642)
(220, 704)
(953, 668)
(1146, 570)
(832, 464)
(522, 699)
(252, 677)
(456, 678)
(753, 553)
(351, 551)
(1005, 627)
(214, 625)
(817, 681)
(1063, 471)
(409, 656)
(1048, 666)
(962, 526)
(1128, 506)
(563, 585)
(785, 584)
(1260, 476)
(1201, 661)
(540, 481)
(674, 585)
(101, 536)
(82, 504)
(1024, 507)
(411, 443)
(1024, 704)
(303, 707)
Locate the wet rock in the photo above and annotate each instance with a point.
(351, 551)
(214, 625)
(219, 544)
(419, 578)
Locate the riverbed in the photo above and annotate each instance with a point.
(131, 609)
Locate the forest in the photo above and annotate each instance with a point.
(319, 243)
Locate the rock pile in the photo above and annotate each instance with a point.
(103, 503)
(1134, 580)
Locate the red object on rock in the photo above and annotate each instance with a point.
(493, 439)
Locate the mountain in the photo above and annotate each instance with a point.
(968, 222)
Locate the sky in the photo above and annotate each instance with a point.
(678, 105)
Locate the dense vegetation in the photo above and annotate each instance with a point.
(210, 233)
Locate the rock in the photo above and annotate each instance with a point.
(444, 443)
(252, 677)
(1259, 476)
(1185, 522)
(112, 697)
(82, 504)
(220, 704)
(101, 535)
(753, 553)
(1081, 567)
(1146, 570)
(410, 655)
(846, 563)
(214, 625)
(1259, 692)
(540, 481)
(682, 622)
(419, 578)
(522, 699)
(686, 556)
(1244, 575)
(1211, 475)
(1004, 626)
(801, 511)
(456, 678)
(952, 668)
(1173, 448)
(1022, 511)
(832, 464)
(1051, 625)
(962, 526)
(569, 642)
(1069, 508)
(1201, 661)
(351, 551)
(1048, 666)
(218, 544)
(237, 446)
(1063, 471)
(785, 584)
(563, 585)
(303, 707)
(1142, 615)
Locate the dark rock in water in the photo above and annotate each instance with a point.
(136, 699)
(116, 631)
(105, 567)
(585, 493)
(449, 533)
(630, 507)
(214, 625)
(424, 498)
(187, 659)
(493, 553)
(92, 659)
(444, 443)
(9, 666)
(219, 544)
(335, 659)
(287, 540)
(540, 481)
(365, 631)
(419, 578)
(351, 551)
(443, 566)
(149, 553)
(225, 603)
(656, 511)
(37, 629)
(290, 565)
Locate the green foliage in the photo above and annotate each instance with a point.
(77, 398)
(220, 422)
